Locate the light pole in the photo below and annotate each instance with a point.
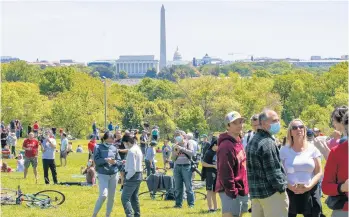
(105, 102)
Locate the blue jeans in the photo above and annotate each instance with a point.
(183, 173)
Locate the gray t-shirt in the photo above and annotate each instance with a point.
(49, 152)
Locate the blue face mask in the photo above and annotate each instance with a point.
(179, 139)
(274, 128)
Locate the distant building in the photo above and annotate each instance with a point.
(208, 60)
(70, 62)
(316, 63)
(344, 57)
(7, 59)
(315, 58)
(106, 63)
(177, 60)
(136, 66)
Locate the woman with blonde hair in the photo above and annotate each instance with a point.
(302, 163)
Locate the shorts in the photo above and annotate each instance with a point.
(63, 154)
(211, 181)
(235, 206)
(30, 160)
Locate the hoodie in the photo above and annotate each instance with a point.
(231, 167)
(101, 152)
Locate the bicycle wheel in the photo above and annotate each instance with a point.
(56, 197)
(8, 196)
(199, 195)
(147, 194)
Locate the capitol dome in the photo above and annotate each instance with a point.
(177, 56)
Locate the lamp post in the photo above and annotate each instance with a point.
(105, 102)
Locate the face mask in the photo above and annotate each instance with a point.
(179, 139)
(275, 128)
(89, 164)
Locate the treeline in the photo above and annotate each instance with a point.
(72, 97)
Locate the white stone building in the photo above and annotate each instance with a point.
(136, 66)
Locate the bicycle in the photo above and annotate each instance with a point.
(42, 199)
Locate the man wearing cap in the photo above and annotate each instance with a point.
(182, 172)
(231, 168)
(265, 172)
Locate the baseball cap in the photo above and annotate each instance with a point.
(232, 116)
(316, 130)
(310, 133)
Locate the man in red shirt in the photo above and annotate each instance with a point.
(36, 128)
(31, 146)
(91, 147)
(231, 168)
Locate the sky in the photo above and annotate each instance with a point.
(93, 30)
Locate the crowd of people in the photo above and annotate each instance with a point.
(279, 178)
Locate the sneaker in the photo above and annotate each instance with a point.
(177, 206)
(191, 206)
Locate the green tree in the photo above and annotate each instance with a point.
(151, 73)
(56, 80)
(20, 71)
(123, 74)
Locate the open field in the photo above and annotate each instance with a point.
(80, 200)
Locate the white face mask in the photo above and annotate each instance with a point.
(89, 163)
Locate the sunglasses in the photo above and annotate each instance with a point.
(297, 127)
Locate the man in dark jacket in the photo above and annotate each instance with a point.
(231, 168)
(266, 175)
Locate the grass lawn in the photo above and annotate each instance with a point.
(80, 201)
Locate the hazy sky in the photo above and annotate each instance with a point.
(86, 31)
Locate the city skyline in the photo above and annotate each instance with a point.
(86, 31)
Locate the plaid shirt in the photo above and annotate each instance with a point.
(265, 172)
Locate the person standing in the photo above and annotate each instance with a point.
(122, 152)
(248, 136)
(91, 146)
(336, 183)
(64, 149)
(133, 179)
(4, 136)
(110, 126)
(265, 172)
(48, 157)
(108, 162)
(12, 142)
(210, 164)
(94, 129)
(29, 129)
(31, 146)
(231, 168)
(182, 152)
(144, 141)
(302, 162)
(36, 129)
(149, 158)
(166, 153)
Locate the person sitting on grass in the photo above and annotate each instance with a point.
(209, 162)
(20, 163)
(5, 168)
(6, 153)
(166, 153)
(90, 173)
(70, 148)
(79, 149)
(150, 157)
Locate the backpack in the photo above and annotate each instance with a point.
(170, 194)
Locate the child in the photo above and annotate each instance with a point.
(5, 168)
(166, 153)
(150, 157)
(209, 163)
(6, 153)
(79, 149)
(70, 148)
(20, 163)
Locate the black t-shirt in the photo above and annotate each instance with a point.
(29, 129)
(210, 158)
(120, 145)
(204, 147)
(143, 141)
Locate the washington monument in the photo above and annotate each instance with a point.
(162, 39)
